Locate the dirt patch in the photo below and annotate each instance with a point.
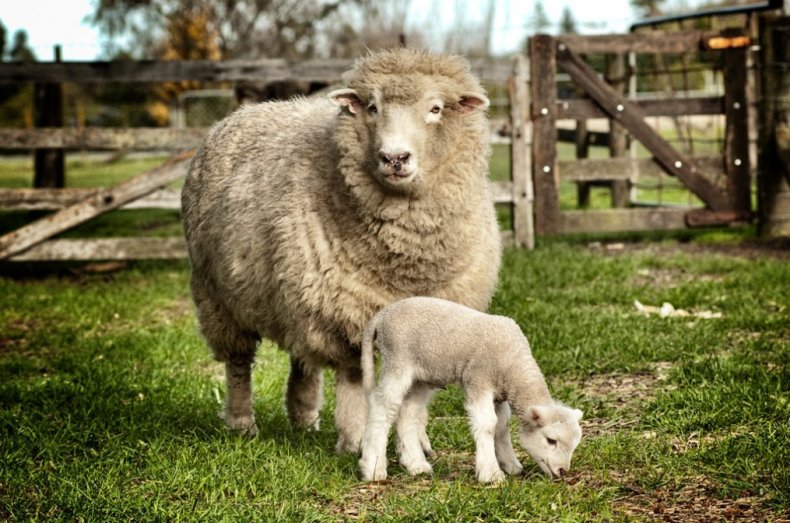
(697, 500)
(669, 278)
(14, 335)
(624, 393)
(750, 249)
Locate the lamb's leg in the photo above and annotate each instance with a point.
(351, 409)
(411, 428)
(422, 416)
(483, 421)
(384, 403)
(505, 454)
(304, 395)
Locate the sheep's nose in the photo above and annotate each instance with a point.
(562, 471)
(396, 160)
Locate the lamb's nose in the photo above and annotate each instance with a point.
(562, 471)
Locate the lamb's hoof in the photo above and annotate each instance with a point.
(418, 468)
(346, 445)
(242, 425)
(372, 473)
(494, 476)
(513, 468)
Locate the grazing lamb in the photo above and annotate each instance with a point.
(428, 342)
(304, 218)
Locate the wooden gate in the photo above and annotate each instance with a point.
(724, 202)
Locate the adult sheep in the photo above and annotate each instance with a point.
(303, 220)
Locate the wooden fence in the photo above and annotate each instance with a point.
(534, 112)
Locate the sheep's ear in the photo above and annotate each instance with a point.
(346, 98)
(578, 414)
(472, 102)
(537, 416)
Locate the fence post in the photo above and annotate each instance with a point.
(49, 164)
(543, 71)
(618, 137)
(773, 178)
(520, 161)
(736, 142)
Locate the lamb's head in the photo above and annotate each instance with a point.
(409, 108)
(550, 434)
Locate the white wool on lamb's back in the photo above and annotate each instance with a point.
(303, 219)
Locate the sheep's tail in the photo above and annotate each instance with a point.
(368, 366)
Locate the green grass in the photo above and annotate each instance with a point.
(109, 400)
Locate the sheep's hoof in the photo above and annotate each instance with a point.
(243, 425)
(347, 445)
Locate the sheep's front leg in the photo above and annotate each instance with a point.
(411, 428)
(483, 421)
(238, 401)
(384, 403)
(304, 395)
(505, 454)
(350, 410)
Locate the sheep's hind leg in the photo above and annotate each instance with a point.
(304, 395)
(483, 422)
(385, 403)
(350, 410)
(411, 429)
(505, 454)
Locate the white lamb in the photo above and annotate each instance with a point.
(425, 343)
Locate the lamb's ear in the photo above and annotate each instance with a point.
(472, 102)
(537, 416)
(347, 98)
(578, 414)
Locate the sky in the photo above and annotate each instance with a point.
(51, 22)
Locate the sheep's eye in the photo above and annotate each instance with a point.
(372, 109)
(552, 442)
(436, 109)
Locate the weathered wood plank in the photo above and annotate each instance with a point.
(105, 249)
(708, 218)
(522, 190)
(54, 199)
(544, 131)
(96, 138)
(618, 137)
(583, 109)
(269, 70)
(622, 220)
(654, 42)
(102, 201)
(633, 119)
(605, 169)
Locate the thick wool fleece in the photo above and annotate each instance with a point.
(291, 237)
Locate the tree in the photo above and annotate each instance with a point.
(539, 22)
(20, 50)
(567, 22)
(238, 29)
(646, 8)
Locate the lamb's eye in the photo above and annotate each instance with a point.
(436, 109)
(552, 442)
(372, 109)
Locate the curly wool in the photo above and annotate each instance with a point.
(292, 239)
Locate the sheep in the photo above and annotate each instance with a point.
(426, 343)
(305, 217)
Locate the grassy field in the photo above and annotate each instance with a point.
(109, 399)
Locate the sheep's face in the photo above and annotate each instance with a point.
(408, 127)
(550, 434)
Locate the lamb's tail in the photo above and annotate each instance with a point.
(368, 366)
